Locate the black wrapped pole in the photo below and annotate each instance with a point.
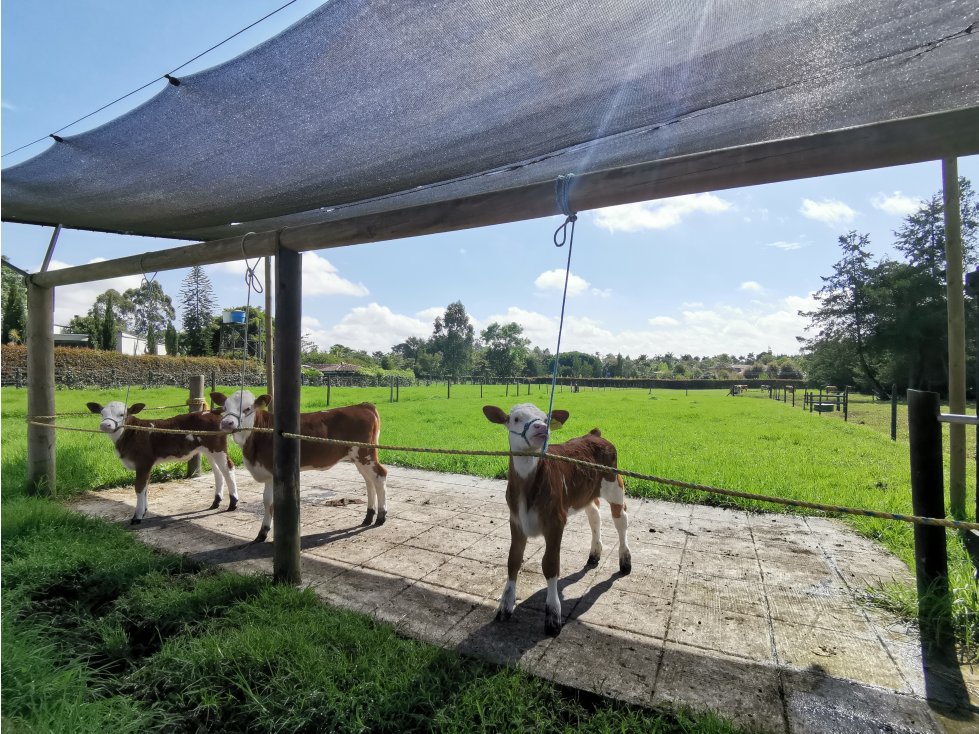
(928, 500)
(288, 368)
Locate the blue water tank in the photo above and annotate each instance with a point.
(233, 317)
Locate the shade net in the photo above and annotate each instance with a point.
(367, 107)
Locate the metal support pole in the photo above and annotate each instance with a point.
(50, 253)
(894, 412)
(269, 362)
(972, 283)
(928, 500)
(41, 476)
(328, 381)
(285, 451)
(448, 388)
(196, 406)
(846, 403)
(955, 297)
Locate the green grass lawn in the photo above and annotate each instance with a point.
(745, 443)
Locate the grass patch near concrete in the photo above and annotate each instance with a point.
(102, 634)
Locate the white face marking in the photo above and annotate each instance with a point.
(239, 412)
(527, 426)
(113, 417)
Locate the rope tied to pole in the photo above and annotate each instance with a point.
(253, 283)
(562, 193)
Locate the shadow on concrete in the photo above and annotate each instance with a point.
(593, 658)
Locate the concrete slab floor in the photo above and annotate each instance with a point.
(757, 617)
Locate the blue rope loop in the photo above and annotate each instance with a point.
(562, 192)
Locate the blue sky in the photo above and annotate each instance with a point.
(725, 271)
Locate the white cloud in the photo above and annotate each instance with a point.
(699, 330)
(8, 106)
(430, 314)
(751, 285)
(787, 246)
(661, 214)
(372, 327)
(553, 280)
(320, 276)
(77, 299)
(896, 204)
(828, 211)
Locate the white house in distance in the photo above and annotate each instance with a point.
(132, 344)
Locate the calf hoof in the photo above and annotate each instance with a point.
(592, 559)
(381, 517)
(502, 615)
(625, 565)
(369, 519)
(135, 521)
(263, 534)
(552, 624)
(233, 504)
(216, 504)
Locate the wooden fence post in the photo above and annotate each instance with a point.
(846, 403)
(928, 500)
(41, 472)
(196, 404)
(448, 389)
(328, 381)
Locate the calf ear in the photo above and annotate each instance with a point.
(94, 407)
(494, 414)
(263, 401)
(134, 409)
(559, 418)
(218, 398)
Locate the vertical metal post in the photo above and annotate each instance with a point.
(955, 298)
(448, 388)
(928, 500)
(269, 362)
(41, 474)
(480, 389)
(972, 283)
(894, 412)
(51, 245)
(391, 387)
(214, 385)
(196, 406)
(846, 403)
(285, 451)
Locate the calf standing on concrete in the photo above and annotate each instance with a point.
(142, 450)
(540, 496)
(243, 412)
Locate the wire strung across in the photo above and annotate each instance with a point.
(834, 509)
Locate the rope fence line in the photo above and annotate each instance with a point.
(835, 509)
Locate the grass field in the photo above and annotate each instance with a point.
(746, 443)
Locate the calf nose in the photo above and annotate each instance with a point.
(106, 426)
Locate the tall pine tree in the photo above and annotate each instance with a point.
(197, 305)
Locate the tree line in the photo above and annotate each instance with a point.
(455, 349)
(883, 322)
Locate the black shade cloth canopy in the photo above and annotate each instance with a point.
(370, 106)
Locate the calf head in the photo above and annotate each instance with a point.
(239, 409)
(526, 424)
(114, 414)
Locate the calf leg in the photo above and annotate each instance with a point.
(361, 461)
(613, 490)
(551, 566)
(229, 475)
(263, 532)
(595, 522)
(380, 478)
(508, 600)
(216, 470)
(142, 486)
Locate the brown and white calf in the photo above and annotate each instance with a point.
(140, 451)
(541, 495)
(243, 412)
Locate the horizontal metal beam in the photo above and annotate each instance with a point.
(911, 140)
(968, 420)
